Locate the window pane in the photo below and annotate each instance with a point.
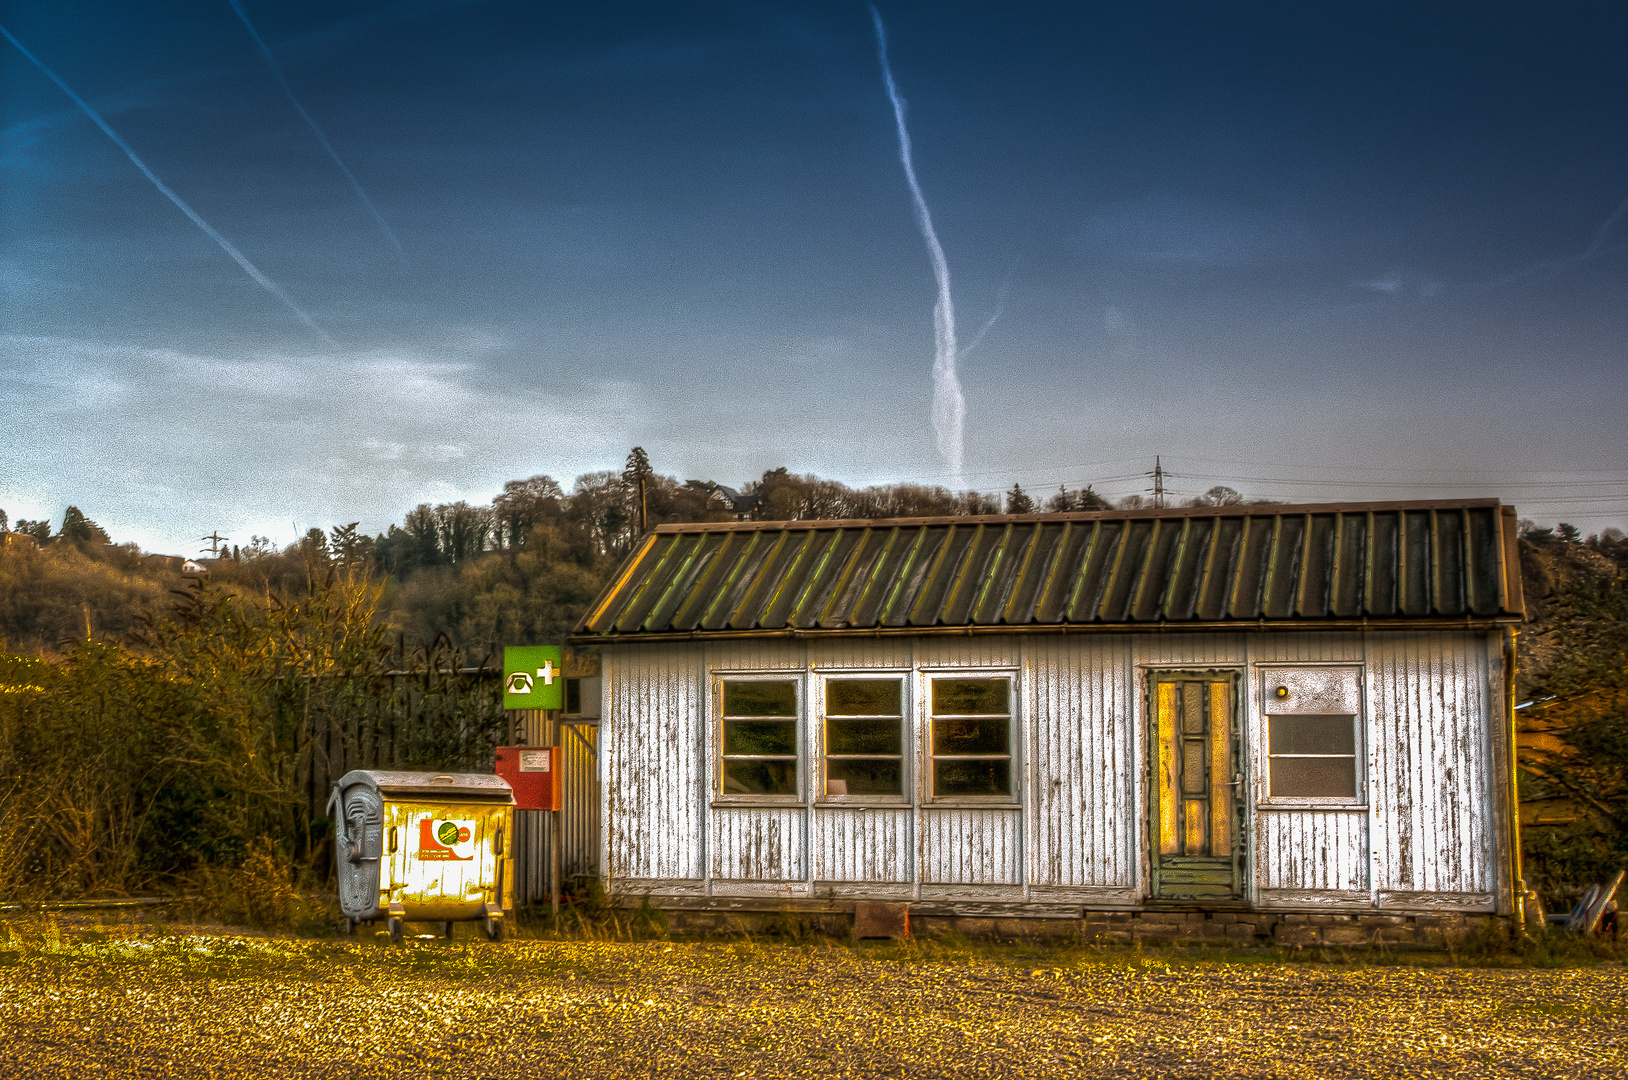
(760, 778)
(760, 698)
(862, 697)
(863, 737)
(972, 777)
(971, 736)
(1314, 778)
(1313, 735)
(573, 696)
(970, 697)
(760, 737)
(866, 776)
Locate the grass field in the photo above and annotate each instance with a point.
(157, 1001)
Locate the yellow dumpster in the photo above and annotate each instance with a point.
(423, 847)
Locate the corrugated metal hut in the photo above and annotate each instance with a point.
(1267, 708)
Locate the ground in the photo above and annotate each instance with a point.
(157, 1001)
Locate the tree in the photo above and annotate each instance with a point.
(79, 529)
(1568, 533)
(39, 530)
(1018, 501)
(636, 477)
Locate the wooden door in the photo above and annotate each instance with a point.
(1196, 815)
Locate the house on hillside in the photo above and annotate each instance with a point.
(1234, 714)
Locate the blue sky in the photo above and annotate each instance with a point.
(1311, 251)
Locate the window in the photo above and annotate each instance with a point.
(573, 696)
(971, 738)
(864, 737)
(1312, 757)
(759, 744)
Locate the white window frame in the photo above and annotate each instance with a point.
(719, 797)
(1013, 796)
(906, 780)
(1268, 677)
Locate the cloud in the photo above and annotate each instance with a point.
(1402, 283)
(264, 443)
(1196, 232)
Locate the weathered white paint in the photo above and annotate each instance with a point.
(760, 843)
(970, 847)
(1432, 766)
(1312, 850)
(1079, 700)
(1426, 837)
(1191, 650)
(873, 844)
(651, 764)
(890, 653)
(989, 651)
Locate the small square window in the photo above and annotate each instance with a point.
(864, 737)
(971, 738)
(1312, 757)
(759, 745)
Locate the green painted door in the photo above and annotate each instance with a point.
(1195, 817)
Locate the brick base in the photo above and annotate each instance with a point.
(1238, 928)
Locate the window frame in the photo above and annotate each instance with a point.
(1357, 800)
(822, 795)
(1012, 797)
(799, 796)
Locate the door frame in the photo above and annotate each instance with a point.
(1151, 678)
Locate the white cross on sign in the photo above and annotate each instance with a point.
(546, 673)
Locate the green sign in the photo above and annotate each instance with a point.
(534, 677)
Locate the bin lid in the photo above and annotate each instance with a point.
(464, 787)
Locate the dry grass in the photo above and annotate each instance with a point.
(114, 1001)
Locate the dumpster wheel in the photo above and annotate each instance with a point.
(494, 928)
(394, 925)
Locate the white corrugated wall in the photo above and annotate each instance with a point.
(1425, 837)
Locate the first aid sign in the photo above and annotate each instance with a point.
(532, 677)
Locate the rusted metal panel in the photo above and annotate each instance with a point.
(1432, 763)
(961, 846)
(1080, 727)
(766, 843)
(1312, 850)
(873, 844)
(651, 762)
(1317, 565)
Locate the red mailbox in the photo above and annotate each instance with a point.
(534, 774)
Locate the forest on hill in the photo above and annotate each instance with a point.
(161, 728)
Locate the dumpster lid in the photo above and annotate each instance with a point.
(443, 785)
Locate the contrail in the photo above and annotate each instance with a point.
(1000, 309)
(277, 71)
(209, 230)
(1564, 262)
(949, 406)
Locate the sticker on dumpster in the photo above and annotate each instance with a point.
(534, 760)
(438, 840)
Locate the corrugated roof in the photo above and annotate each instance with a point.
(1418, 564)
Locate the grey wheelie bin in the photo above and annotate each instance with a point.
(423, 847)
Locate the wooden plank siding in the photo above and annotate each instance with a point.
(1425, 836)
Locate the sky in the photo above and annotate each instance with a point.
(1312, 252)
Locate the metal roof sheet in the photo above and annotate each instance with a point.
(1335, 565)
